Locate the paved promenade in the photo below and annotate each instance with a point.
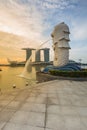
(54, 105)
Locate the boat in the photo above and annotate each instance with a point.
(15, 63)
(12, 63)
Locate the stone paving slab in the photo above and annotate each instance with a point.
(2, 124)
(12, 126)
(53, 105)
(29, 118)
(5, 115)
(33, 107)
(55, 122)
(13, 105)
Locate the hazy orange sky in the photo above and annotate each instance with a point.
(11, 46)
(29, 23)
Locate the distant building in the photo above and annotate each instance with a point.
(46, 54)
(37, 53)
(28, 52)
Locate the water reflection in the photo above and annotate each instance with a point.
(9, 76)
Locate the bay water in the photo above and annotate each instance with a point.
(10, 76)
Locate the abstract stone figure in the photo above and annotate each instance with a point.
(61, 46)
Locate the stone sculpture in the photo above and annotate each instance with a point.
(61, 46)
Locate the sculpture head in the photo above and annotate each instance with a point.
(61, 31)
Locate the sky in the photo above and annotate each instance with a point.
(29, 23)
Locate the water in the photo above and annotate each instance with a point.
(9, 76)
(84, 66)
(27, 65)
(19, 76)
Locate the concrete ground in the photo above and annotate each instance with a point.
(54, 105)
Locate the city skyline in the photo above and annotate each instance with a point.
(29, 23)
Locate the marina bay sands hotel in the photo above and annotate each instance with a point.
(38, 55)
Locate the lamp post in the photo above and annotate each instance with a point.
(80, 60)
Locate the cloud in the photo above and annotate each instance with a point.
(26, 17)
(35, 20)
(78, 53)
(79, 31)
(21, 20)
(79, 40)
(31, 19)
(58, 4)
